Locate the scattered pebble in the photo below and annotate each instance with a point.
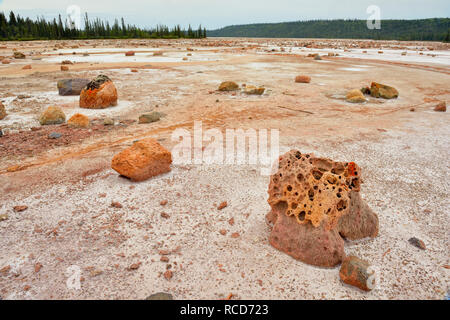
(5, 269)
(135, 266)
(55, 135)
(37, 267)
(230, 295)
(168, 274)
(417, 243)
(20, 208)
(160, 296)
(222, 205)
(441, 107)
(95, 273)
(165, 215)
(150, 117)
(116, 205)
(108, 122)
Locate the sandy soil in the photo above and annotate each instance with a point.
(68, 187)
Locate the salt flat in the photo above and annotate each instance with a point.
(69, 186)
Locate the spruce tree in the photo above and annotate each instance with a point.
(3, 26)
(12, 19)
(447, 37)
(124, 28)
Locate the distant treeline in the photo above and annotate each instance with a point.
(437, 29)
(18, 28)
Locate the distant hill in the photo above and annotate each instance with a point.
(436, 29)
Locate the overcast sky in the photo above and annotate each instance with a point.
(218, 13)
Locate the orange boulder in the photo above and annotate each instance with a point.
(52, 115)
(355, 96)
(379, 90)
(356, 272)
(2, 111)
(228, 86)
(100, 93)
(144, 159)
(78, 120)
(303, 79)
(19, 55)
(441, 107)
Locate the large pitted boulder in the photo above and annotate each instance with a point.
(2, 111)
(52, 115)
(228, 86)
(71, 87)
(379, 90)
(315, 204)
(100, 93)
(143, 160)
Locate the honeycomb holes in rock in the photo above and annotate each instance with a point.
(305, 197)
(319, 203)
